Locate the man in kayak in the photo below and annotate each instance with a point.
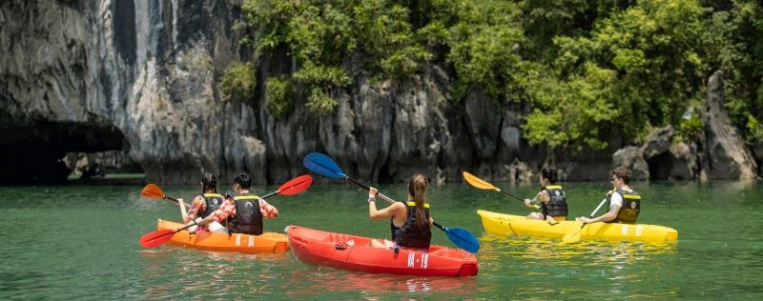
(204, 204)
(624, 202)
(245, 210)
(553, 202)
(410, 221)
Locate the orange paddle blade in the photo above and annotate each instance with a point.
(477, 182)
(156, 238)
(152, 191)
(296, 185)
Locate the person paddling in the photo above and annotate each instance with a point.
(553, 202)
(245, 210)
(204, 204)
(410, 221)
(624, 202)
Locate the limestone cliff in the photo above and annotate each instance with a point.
(141, 77)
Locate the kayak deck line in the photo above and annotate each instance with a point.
(517, 225)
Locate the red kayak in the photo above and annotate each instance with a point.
(350, 252)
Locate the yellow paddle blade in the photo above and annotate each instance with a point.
(573, 236)
(477, 182)
(152, 191)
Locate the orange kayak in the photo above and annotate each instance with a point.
(350, 252)
(268, 242)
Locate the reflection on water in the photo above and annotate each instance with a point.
(80, 243)
(538, 250)
(543, 266)
(338, 281)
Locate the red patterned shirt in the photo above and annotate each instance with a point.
(228, 209)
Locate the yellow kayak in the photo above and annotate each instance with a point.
(517, 225)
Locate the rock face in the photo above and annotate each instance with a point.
(141, 77)
(724, 156)
(669, 160)
(632, 157)
(140, 73)
(719, 155)
(757, 150)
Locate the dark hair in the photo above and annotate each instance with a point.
(550, 174)
(417, 187)
(623, 173)
(208, 182)
(243, 180)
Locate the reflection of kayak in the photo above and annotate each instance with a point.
(268, 242)
(517, 225)
(350, 252)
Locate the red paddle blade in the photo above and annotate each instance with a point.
(296, 185)
(156, 238)
(152, 191)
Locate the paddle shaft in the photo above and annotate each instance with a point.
(170, 233)
(386, 198)
(509, 194)
(597, 208)
(594, 211)
(176, 200)
(262, 197)
(185, 227)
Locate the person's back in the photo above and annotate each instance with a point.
(410, 222)
(248, 217)
(205, 203)
(249, 208)
(413, 234)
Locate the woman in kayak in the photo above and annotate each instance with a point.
(624, 202)
(553, 202)
(204, 204)
(410, 221)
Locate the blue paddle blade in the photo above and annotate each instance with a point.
(463, 239)
(323, 165)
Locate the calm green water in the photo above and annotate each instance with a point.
(80, 243)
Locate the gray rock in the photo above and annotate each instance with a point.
(757, 150)
(684, 162)
(658, 142)
(633, 158)
(725, 156)
(520, 172)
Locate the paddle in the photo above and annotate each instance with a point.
(323, 165)
(482, 184)
(160, 237)
(152, 191)
(574, 236)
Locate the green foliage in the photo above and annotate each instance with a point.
(323, 36)
(319, 102)
(238, 82)
(634, 70)
(483, 38)
(691, 127)
(280, 96)
(588, 70)
(755, 128)
(579, 107)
